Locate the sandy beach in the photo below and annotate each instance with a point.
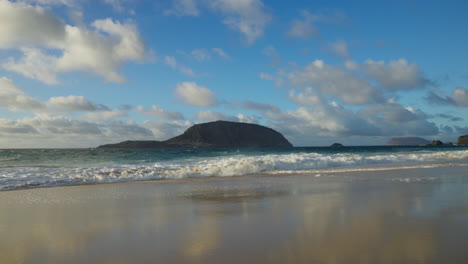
(389, 216)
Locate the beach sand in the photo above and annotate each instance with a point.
(394, 216)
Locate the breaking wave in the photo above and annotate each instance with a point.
(12, 178)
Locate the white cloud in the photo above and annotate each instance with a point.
(186, 71)
(104, 115)
(183, 8)
(172, 62)
(271, 52)
(34, 65)
(459, 97)
(61, 125)
(23, 24)
(101, 50)
(8, 87)
(277, 79)
(15, 127)
(58, 131)
(304, 27)
(94, 52)
(339, 48)
(350, 88)
(159, 112)
(248, 17)
(201, 54)
(74, 103)
(51, 2)
(164, 130)
(209, 116)
(14, 99)
(395, 120)
(220, 52)
(351, 65)
(396, 75)
(119, 5)
(193, 94)
(266, 76)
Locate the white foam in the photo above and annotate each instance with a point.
(26, 177)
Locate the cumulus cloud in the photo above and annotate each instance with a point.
(165, 130)
(396, 75)
(34, 65)
(14, 99)
(459, 97)
(193, 94)
(102, 54)
(8, 127)
(23, 24)
(183, 8)
(59, 131)
(61, 125)
(351, 89)
(101, 49)
(396, 120)
(159, 112)
(249, 17)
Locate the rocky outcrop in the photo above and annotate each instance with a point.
(336, 145)
(436, 143)
(407, 141)
(463, 140)
(216, 134)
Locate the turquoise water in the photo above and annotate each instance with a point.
(28, 168)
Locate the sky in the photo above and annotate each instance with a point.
(89, 72)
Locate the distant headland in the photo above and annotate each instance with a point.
(215, 134)
(417, 141)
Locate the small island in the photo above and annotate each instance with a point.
(215, 134)
(336, 145)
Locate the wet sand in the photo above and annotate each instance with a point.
(399, 216)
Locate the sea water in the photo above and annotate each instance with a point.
(32, 168)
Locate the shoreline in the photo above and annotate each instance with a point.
(342, 170)
(417, 215)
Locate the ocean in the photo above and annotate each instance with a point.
(37, 168)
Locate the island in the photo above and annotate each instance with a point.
(215, 134)
(407, 141)
(336, 145)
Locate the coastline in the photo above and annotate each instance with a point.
(410, 215)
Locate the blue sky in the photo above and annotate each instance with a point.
(83, 73)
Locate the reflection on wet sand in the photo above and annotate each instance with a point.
(294, 219)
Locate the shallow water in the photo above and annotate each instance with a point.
(23, 169)
(391, 216)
